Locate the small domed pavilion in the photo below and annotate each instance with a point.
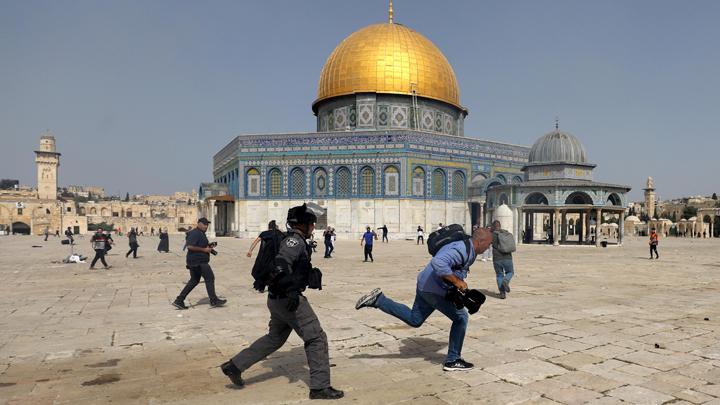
(558, 201)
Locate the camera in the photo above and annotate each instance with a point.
(212, 246)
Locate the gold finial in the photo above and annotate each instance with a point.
(390, 13)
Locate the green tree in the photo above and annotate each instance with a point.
(714, 196)
(689, 212)
(127, 196)
(674, 217)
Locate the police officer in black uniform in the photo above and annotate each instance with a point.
(290, 310)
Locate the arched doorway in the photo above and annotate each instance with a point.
(20, 228)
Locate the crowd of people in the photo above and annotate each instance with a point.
(283, 266)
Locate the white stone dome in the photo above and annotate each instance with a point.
(504, 214)
(557, 146)
(632, 218)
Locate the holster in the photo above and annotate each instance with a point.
(315, 279)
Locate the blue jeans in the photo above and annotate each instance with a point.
(503, 271)
(424, 305)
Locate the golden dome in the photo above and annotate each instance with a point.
(388, 58)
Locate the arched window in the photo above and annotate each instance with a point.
(343, 182)
(537, 199)
(392, 180)
(517, 180)
(275, 183)
(93, 211)
(418, 182)
(253, 182)
(320, 183)
(502, 178)
(614, 199)
(297, 182)
(438, 183)
(367, 181)
(128, 213)
(458, 186)
(579, 198)
(104, 212)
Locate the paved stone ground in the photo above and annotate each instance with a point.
(582, 325)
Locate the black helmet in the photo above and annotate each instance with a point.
(303, 214)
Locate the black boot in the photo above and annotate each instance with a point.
(326, 393)
(229, 369)
(217, 302)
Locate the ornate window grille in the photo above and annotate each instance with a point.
(367, 181)
(418, 182)
(253, 182)
(297, 182)
(438, 183)
(458, 186)
(343, 180)
(275, 183)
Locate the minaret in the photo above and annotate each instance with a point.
(650, 197)
(47, 160)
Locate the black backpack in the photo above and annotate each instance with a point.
(265, 261)
(448, 234)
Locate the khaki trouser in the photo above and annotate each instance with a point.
(306, 324)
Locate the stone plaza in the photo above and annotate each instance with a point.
(581, 325)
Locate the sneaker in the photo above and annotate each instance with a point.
(107, 267)
(326, 393)
(458, 365)
(217, 302)
(368, 300)
(179, 304)
(502, 295)
(230, 369)
(506, 285)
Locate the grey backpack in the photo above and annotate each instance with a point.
(506, 242)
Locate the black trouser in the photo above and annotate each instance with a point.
(99, 254)
(306, 324)
(200, 270)
(46, 235)
(133, 250)
(385, 238)
(328, 249)
(653, 248)
(420, 239)
(368, 252)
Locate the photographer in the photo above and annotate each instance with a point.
(449, 267)
(198, 259)
(291, 273)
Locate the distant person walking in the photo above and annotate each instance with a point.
(654, 241)
(132, 239)
(69, 235)
(98, 242)
(368, 237)
(384, 234)
(420, 235)
(57, 233)
(272, 227)
(198, 262)
(164, 245)
(152, 231)
(327, 240)
(47, 233)
(503, 245)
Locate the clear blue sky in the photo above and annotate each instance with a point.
(141, 94)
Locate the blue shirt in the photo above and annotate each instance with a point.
(450, 256)
(368, 236)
